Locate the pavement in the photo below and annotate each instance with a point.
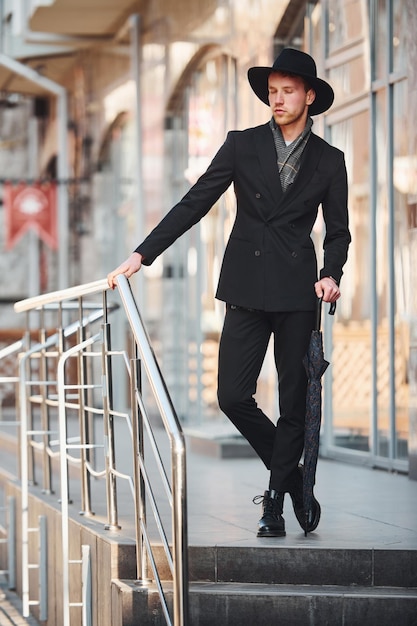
(11, 607)
(362, 508)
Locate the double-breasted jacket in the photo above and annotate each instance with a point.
(270, 260)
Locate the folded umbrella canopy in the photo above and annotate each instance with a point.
(315, 365)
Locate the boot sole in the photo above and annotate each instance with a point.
(312, 527)
(271, 533)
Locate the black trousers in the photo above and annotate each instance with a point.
(243, 344)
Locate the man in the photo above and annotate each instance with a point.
(281, 173)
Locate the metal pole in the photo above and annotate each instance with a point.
(135, 54)
(180, 538)
(44, 409)
(11, 543)
(83, 420)
(63, 171)
(33, 247)
(138, 453)
(108, 429)
(25, 486)
(392, 431)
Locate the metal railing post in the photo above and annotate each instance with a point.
(44, 410)
(11, 543)
(109, 451)
(138, 453)
(144, 443)
(180, 541)
(83, 421)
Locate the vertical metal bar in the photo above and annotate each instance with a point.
(44, 411)
(138, 453)
(90, 415)
(61, 348)
(108, 428)
(373, 240)
(392, 434)
(64, 490)
(63, 169)
(33, 277)
(25, 485)
(87, 609)
(180, 534)
(136, 59)
(29, 422)
(43, 569)
(11, 543)
(82, 419)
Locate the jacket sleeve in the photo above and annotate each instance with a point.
(335, 214)
(196, 203)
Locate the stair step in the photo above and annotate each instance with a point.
(233, 604)
(272, 564)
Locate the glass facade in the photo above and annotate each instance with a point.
(359, 48)
(193, 89)
(367, 404)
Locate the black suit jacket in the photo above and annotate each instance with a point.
(270, 261)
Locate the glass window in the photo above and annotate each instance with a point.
(403, 188)
(380, 44)
(382, 276)
(351, 357)
(399, 26)
(348, 79)
(346, 22)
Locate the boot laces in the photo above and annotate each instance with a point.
(269, 504)
(258, 499)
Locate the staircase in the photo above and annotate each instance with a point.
(294, 586)
(359, 568)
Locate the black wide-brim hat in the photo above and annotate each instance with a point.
(299, 63)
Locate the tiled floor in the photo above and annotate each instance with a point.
(361, 507)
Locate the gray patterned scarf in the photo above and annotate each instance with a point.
(289, 156)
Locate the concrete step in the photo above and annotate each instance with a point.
(299, 565)
(237, 604)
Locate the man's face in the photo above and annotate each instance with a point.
(288, 98)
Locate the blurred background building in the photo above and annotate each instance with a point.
(123, 104)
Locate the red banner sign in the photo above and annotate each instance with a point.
(30, 206)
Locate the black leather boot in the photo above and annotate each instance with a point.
(309, 523)
(271, 524)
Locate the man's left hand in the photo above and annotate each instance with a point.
(328, 289)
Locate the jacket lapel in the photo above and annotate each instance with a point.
(267, 155)
(309, 161)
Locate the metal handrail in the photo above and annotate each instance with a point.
(178, 454)
(138, 421)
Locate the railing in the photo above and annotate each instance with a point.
(70, 371)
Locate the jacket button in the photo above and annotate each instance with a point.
(258, 195)
(293, 254)
(257, 253)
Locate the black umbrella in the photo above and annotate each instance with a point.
(315, 365)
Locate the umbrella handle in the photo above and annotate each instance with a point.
(332, 310)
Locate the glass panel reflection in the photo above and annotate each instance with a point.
(351, 357)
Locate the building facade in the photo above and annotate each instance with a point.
(152, 90)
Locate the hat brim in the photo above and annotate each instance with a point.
(258, 80)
